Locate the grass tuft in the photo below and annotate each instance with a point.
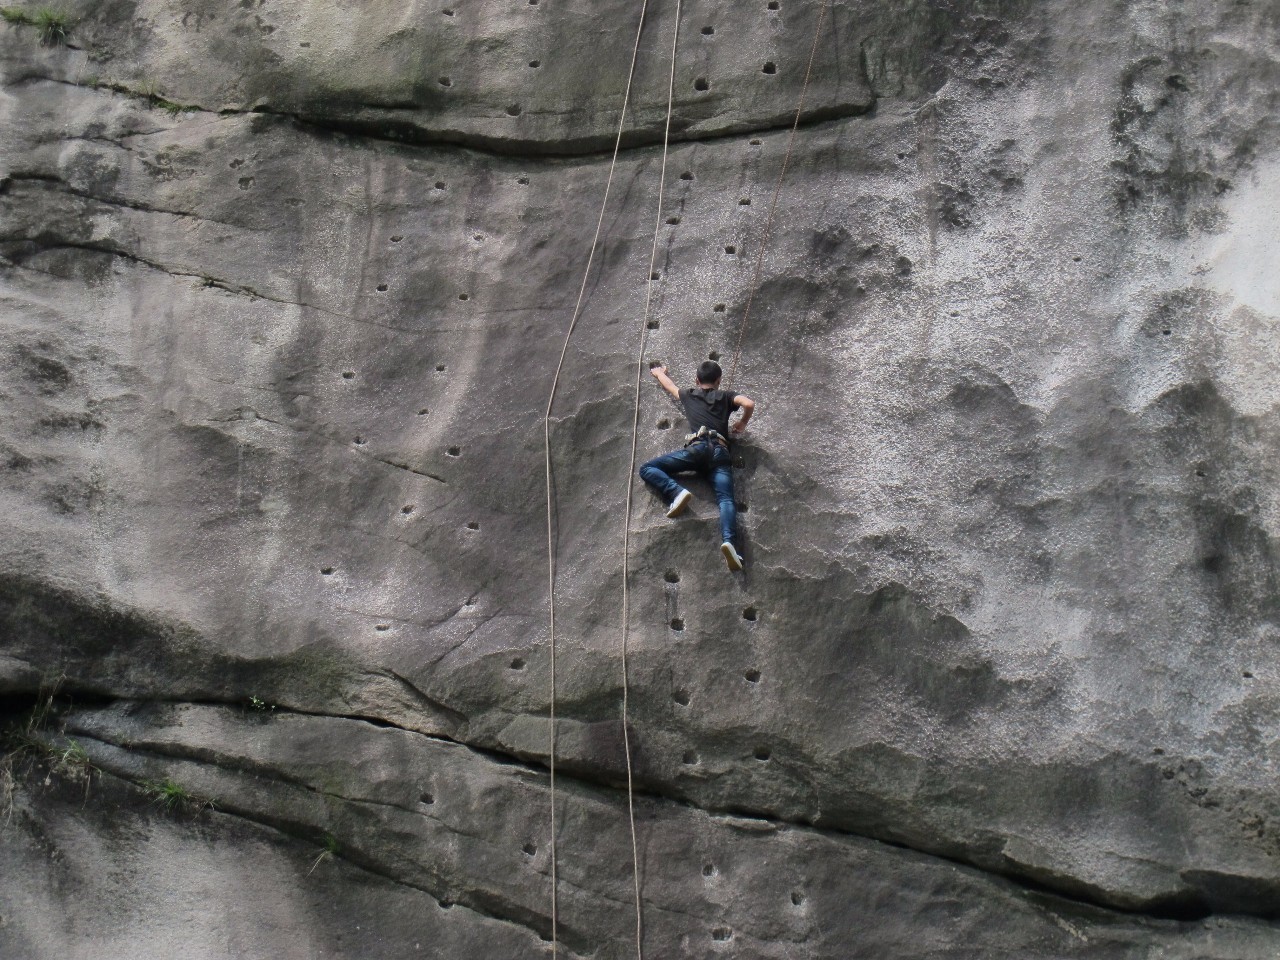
(173, 797)
(53, 25)
(330, 850)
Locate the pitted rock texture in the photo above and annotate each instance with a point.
(282, 309)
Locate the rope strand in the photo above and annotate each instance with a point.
(777, 190)
(546, 423)
(631, 469)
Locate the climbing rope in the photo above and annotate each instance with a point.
(635, 428)
(551, 554)
(631, 469)
(777, 190)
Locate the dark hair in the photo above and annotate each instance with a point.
(709, 372)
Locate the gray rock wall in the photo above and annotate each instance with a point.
(283, 289)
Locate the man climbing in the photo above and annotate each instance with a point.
(706, 449)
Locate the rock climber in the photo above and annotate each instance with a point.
(706, 449)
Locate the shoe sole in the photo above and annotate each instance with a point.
(734, 561)
(679, 504)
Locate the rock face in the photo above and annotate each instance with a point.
(284, 289)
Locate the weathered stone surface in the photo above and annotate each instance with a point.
(437, 817)
(273, 431)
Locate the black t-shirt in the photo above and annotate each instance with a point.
(708, 408)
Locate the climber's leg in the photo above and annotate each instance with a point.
(657, 473)
(722, 482)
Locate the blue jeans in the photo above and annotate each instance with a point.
(710, 460)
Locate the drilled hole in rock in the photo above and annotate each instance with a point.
(1248, 675)
(464, 296)
(445, 904)
(517, 663)
(677, 624)
(652, 324)
(708, 31)
(701, 84)
(730, 249)
(535, 64)
(439, 368)
(902, 156)
(689, 758)
(530, 849)
(382, 288)
(473, 525)
(447, 12)
(708, 870)
(439, 184)
(513, 110)
(713, 355)
(358, 441)
(721, 934)
(742, 507)
(773, 4)
(523, 181)
(744, 202)
(681, 697)
(423, 412)
(348, 374)
(382, 626)
(1200, 473)
(797, 897)
(1075, 259)
(664, 424)
(655, 275)
(752, 676)
(407, 508)
(762, 753)
(396, 239)
(673, 220)
(453, 452)
(769, 67)
(671, 576)
(751, 614)
(327, 571)
(427, 799)
(1166, 332)
(477, 237)
(445, 82)
(756, 141)
(687, 175)
(719, 308)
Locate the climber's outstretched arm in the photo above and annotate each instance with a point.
(668, 384)
(748, 407)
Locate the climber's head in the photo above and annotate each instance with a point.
(709, 374)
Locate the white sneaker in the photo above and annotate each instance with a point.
(679, 503)
(731, 556)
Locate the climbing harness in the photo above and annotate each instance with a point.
(706, 433)
(703, 434)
